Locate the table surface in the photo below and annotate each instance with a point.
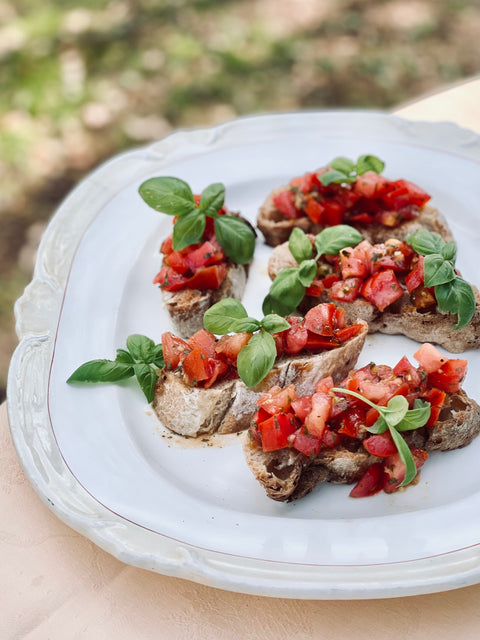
(57, 584)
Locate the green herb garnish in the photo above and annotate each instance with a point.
(453, 293)
(344, 170)
(142, 358)
(397, 417)
(256, 358)
(175, 198)
(288, 288)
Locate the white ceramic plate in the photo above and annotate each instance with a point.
(103, 463)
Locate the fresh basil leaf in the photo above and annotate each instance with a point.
(286, 293)
(147, 378)
(449, 251)
(405, 456)
(101, 371)
(416, 417)
(235, 237)
(188, 229)
(344, 165)
(379, 426)
(369, 163)
(437, 270)
(307, 272)
(141, 347)
(168, 195)
(212, 199)
(158, 359)
(124, 357)
(334, 176)
(224, 316)
(425, 242)
(333, 239)
(256, 359)
(274, 323)
(395, 410)
(457, 297)
(300, 245)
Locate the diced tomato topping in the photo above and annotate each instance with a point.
(169, 279)
(315, 289)
(276, 430)
(204, 256)
(345, 334)
(177, 262)
(284, 202)
(333, 213)
(371, 185)
(302, 406)
(205, 341)
(394, 469)
(324, 385)
(436, 398)
(173, 349)
(416, 277)
(409, 192)
(370, 483)
(208, 277)
(314, 210)
(408, 372)
(319, 319)
(330, 279)
(278, 400)
(339, 321)
(305, 183)
(316, 342)
(429, 357)
(331, 438)
(353, 422)
(317, 418)
(450, 376)
(218, 369)
(353, 265)
(346, 290)
(382, 289)
(230, 346)
(306, 443)
(380, 445)
(167, 245)
(197, 366)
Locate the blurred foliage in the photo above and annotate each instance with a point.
(80, 81)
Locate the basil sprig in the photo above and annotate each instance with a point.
(453, 293)
(397, 417)
(343, 170)
(288, 288)
(142, 358)
(175, 198)
(256, 358)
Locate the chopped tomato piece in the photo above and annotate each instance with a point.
(408, 372)
(306, 443)
(339, 321)
(412, 193)
(353, 422)
(436, 398)
(284, 202)
(275, 431)
(197, 367)
(394, 469)
(316, 342)
(305, 183)
(295, 338)
(450, 376)
(342, 335)
(380, 445)
(416, 277)
(315, 289)
(317, 418)
(331, 438)
(353, 264)
(319, 319)
(205, 255)
(429, 357)
(177, 262)
(205, 341)
(324, 385)
(278, 400)
(371, 185)
(230, 346)
(302, 406)
(314, 210)
(167, 245)
(330, 279)
(173, 349)
(346, 290)
(333, 213)
(169, 279)
(220, 368)
(370, 483)
(382, 289)
(208, 277)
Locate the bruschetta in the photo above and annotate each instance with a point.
(297, 441)
(199, 390)
(384, 285)
(378, 207)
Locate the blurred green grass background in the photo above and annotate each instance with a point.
(80, 81)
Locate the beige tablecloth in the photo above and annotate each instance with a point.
(57, 585)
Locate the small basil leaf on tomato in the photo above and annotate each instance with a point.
(256, 359)
(437, 270)
(168, 195)
(158, 359)
(345, 165)
(141, 347)
(101, 371)
(236, 238)
(369, 163)
(333, 239)
(333, 176)
(147, 379)
(212, 199)
(300, 245)
(274, 323)
(188, 229)
(457, 297)
(425, 242)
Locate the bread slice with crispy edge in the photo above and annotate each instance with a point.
(288, 474)
(228, 407)
(399, 318)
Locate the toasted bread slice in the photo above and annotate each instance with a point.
(399, 318)
(276, 228)
(187, 306)
(287, 474)
(228, 406)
